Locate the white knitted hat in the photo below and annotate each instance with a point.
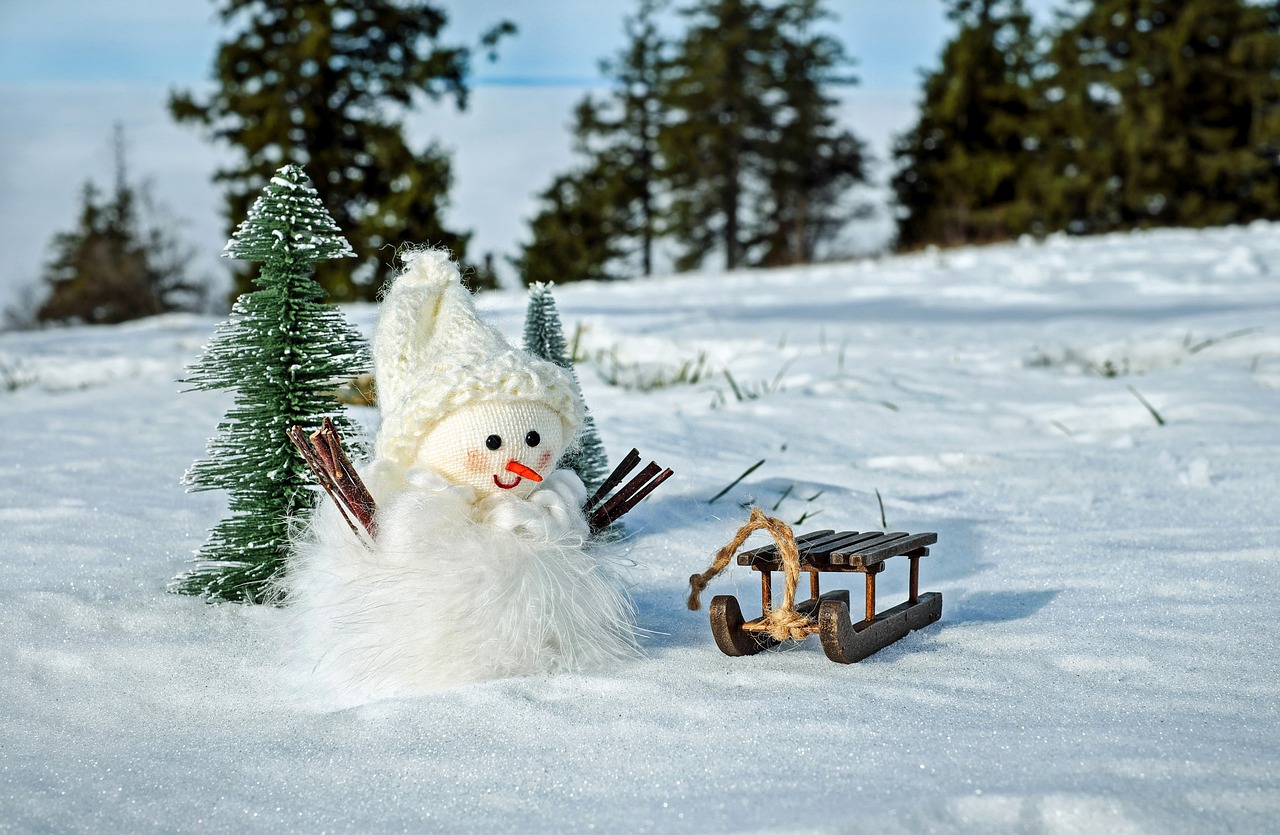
(433, 356)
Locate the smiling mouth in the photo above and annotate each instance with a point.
(498, 482)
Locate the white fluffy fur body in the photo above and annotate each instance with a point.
(454, 589)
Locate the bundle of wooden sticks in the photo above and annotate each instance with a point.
(603, 510)
(335, 473)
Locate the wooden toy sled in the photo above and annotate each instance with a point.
(827, 615)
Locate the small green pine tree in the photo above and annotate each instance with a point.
(282, 352)
(544, 337)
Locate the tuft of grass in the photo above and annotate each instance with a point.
(15, 375)
(806, 515)
(734, 483)
(883, 524)
(783, 497)
(692, 372)
(1197, 348)
(1108, 368)
(776, 383)
(1143, 401)
(754, 392)
(649, 377)
(1110, 371)
(733, 384)
(1123, 366)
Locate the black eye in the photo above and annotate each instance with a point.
(493, 441)
(533, 438)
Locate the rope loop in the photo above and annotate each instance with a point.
(783, 622)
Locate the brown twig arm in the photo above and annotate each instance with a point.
(349, 482)
(643, 493)
(629, 463)
(607, 511)
(317, 465)
(335, 474)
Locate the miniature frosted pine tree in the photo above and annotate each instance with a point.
(544, 337)
(282, 351)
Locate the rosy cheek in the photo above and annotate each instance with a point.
(543, 460)
(476, 461)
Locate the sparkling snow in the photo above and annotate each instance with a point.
(1108, 658)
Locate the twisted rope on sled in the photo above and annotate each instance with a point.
(783, 622)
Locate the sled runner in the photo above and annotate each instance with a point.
(828, 615)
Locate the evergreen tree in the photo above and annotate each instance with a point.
(328, 85)
(576, 236)
(721, 126)
(965, 168)
(621, 132)
(606, 213)
(1168, 114)
(544, 337)
(283, 352)
(814, 162)
(746, 94)
(114, 266)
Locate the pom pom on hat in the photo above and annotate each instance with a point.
(433, 356)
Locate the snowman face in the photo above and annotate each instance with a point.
(496, 447)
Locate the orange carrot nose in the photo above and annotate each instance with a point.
(522, 471)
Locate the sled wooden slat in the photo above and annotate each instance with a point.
(845, 550)
(824, 544)
(874, 552)
(771, 550)
(855, 544)
(813, 547)
(840, 556)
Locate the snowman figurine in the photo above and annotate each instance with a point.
(482, 565)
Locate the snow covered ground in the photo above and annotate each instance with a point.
(1108, 658)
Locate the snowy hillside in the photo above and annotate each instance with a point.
(1108, 658)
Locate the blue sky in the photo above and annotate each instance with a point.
(71, 69)
(159, 42)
